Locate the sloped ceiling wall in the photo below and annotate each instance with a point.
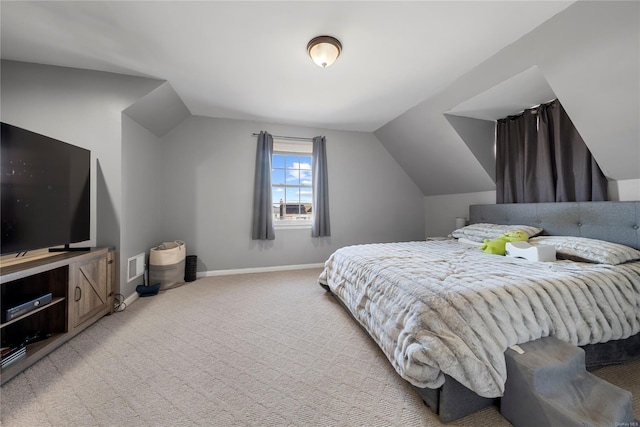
(159, 111)
(589, 55)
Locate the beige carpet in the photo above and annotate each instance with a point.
(269, 349)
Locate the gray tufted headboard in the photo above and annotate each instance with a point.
(617, 222)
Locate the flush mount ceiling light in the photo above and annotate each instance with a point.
(324, 50)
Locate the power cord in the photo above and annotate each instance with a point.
(118, 303)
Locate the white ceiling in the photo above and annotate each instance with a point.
(248, 60)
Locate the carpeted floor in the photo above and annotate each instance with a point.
(270, 349)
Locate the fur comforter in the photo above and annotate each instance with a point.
(441, 306)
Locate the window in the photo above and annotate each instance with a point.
(291, 188)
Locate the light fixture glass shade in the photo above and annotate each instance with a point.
(324, 50)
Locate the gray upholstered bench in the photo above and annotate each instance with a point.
(548, 385)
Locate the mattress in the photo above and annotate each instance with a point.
(442, 307)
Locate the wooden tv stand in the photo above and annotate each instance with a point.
(81, 284)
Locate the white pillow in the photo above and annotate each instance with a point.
(588, 250)
(468, 242)
(481, 231)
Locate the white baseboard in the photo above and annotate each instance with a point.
(133, 297)
(258, 269)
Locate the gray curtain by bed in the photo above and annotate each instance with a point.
(541, 157)
(320, 226)
(262, 223)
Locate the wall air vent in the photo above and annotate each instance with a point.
(135, 267)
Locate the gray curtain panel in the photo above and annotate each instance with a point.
(541, 157)
(320, 226)
(509, 159)
(262, 223)
(578, 176)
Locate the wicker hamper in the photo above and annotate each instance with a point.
(166, 264)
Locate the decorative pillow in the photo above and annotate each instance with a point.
(481, 231)
(588, 250)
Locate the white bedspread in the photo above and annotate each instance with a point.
(439, 307)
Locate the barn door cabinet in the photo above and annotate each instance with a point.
(81, 286)
(89, 290)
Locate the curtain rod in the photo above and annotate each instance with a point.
(295, 138)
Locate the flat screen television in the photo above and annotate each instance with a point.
(45, 191)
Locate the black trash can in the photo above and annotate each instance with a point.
(190, 268)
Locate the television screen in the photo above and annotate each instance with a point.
(45, 191)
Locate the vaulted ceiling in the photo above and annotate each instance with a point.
(415, 73)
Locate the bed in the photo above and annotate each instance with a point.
(443, 312)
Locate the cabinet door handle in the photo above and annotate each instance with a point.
(78, 294)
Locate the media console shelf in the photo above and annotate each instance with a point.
(81, 288)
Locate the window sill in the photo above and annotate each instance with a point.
(291, 225)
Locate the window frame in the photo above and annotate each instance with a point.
(299, 148)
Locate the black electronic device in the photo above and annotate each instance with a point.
(13, 309)
(45, 189)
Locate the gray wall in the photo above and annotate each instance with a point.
(144, 123)
(196, 183)
(207, 186)
(82, 108)
(141, 172)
